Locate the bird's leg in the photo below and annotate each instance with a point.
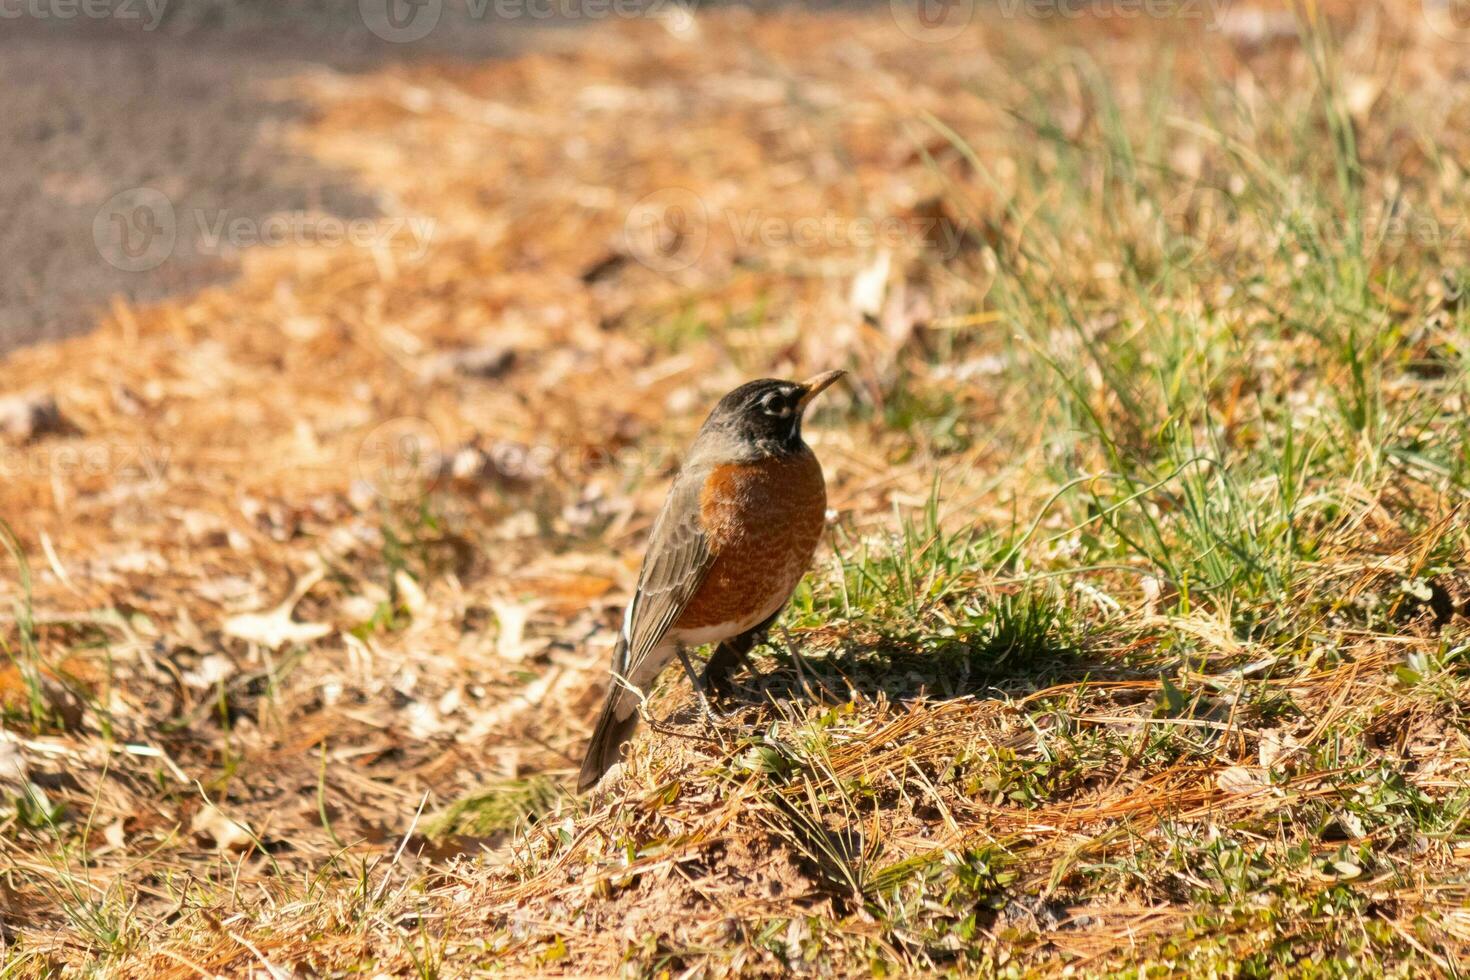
(743, 652)
(729, 656)
(735, 652)
(710, 715)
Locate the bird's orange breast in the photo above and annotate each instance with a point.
(763, 521)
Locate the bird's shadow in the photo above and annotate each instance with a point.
(902, 669)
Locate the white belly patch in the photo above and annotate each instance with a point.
(722, 631)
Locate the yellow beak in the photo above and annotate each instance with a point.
(815, 386)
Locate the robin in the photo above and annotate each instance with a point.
(734, 537)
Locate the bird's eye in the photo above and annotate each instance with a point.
(775, 404)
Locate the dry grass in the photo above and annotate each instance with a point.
(1138, 642)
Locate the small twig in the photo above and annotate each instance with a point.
(150, 752)
(659, 727)
(401, 845)
(799, 662)
(276, 972)
(180, 958)
(1126, 720)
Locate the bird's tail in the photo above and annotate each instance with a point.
(615, 726)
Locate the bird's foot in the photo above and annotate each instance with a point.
(712, 717)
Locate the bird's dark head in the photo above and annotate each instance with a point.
(765, 415)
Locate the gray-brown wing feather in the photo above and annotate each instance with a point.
(676, 562)
(675, 565)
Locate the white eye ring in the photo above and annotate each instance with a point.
(774, 399)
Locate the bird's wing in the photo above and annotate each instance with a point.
(678, 558)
